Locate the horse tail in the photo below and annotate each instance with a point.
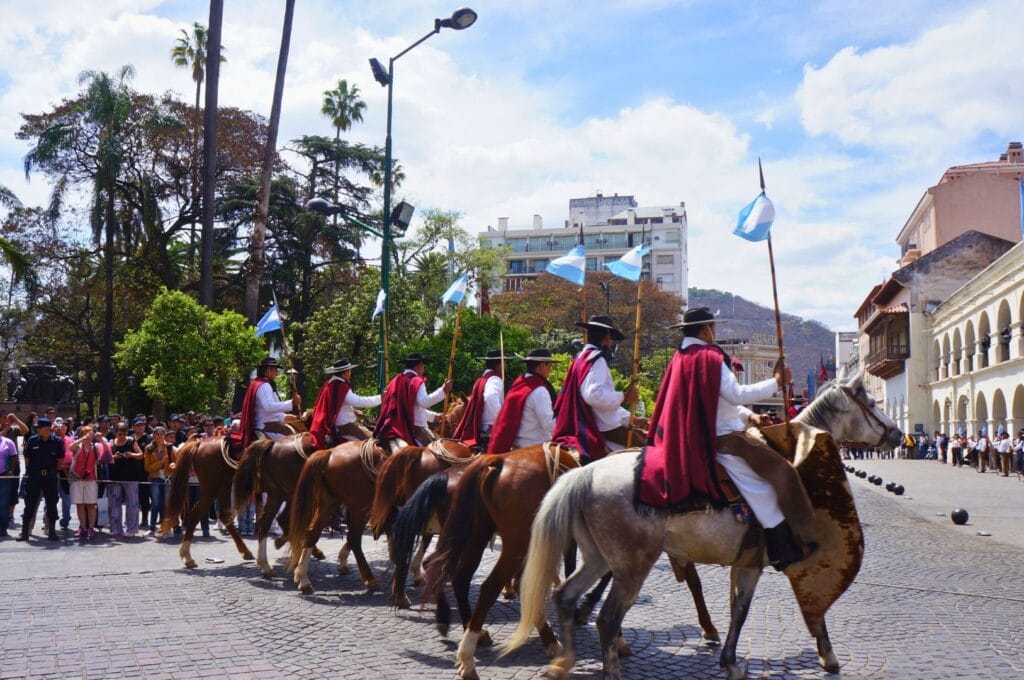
(550, 534)
(392, 477)
(177, 494)
(305, 503)
(412, 520)
(464, 516)
(245, 482)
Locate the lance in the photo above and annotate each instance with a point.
(636, 347)
(501, 349)
(583, 288)
(778, 315)
(451, 355)
(284, 347)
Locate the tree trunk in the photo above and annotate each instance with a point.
(257, 256)
(107, 351)
(210, 151)
(195, 189)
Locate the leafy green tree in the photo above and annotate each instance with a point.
(187, 354)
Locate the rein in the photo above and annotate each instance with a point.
(366, 451)
(870, 416)
(436, 447)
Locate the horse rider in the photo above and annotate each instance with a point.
(485, 399)
(42, 452)
(697, 421)
(334, 414)
(404, 406)
(590, 417)
(527, 417)
(262, 410)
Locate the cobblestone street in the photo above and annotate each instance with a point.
(928, 603)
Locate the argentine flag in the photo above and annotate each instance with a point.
(756, 219)
(456, 291)
(271, 321)
(571, 267)
(630, 265)
(379, 309)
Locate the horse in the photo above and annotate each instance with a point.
(344, 475)
(444, 424)
(214, 468)
(595, 507)
(398, 478)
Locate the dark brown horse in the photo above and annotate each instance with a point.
(344, 475)
(214, 469)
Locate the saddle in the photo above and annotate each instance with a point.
(451, 451)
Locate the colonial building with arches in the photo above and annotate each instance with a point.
(976, 358)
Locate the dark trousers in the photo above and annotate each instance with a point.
(958, 456)
(5, 503)
(36, 485)
(145, 500)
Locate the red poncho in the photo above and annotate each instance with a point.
(506, 425)
(575, 425)
(248, 416)
(468, 429)
(679, 460)
(398, 408)
(325, 411)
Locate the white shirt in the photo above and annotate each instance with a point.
(347, 412)
(269, 409)
(1004, 446)
(494, 395)
(425, 401)
(600, 394)
(537, 421)
(731, 395)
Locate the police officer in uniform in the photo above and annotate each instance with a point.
(42, 453)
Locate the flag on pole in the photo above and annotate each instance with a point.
(271, 321)
(630, 265)
(456, 291)
(756, 219)
(571, 266)
(379, 309)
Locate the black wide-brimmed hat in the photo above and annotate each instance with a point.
(415, 358)
(269, 362)
(494, 355)
(540, 354)
(605, 322)
(340, 366)
(698, 316)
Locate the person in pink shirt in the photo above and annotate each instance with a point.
(89, 450)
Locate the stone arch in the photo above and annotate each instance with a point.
(970, 347)
(980, 412)
(1018, 407)
(958, 350)
(961, 415)
(936, 360)
(984, 338)
(1002, 332)
(945, 355)
(999, 411)
(947, 415)
(936, 417)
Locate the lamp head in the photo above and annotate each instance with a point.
(401, 217)
(380, 74)
(460, 19)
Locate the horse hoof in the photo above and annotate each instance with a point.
(418, 580)
(554, 672)
(623, 647)
(711, 637)
(307, 589)
(372, 584)
(508, 593)
(581, 617)
(735, 672)
(484, 639)
(344, 569)
(267, 573)
(402, 602)
(318, 554)
(553, 650)
(442, 628)
(247, 556)
(279, 542)
(830, 663)
(190, 564)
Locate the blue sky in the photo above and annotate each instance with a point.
(856, 108)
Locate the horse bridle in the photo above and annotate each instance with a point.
(870, 415)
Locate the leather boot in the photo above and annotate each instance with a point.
(781, 550)
(51, 530)
(23, 536)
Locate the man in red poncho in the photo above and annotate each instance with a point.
(697, 421)
(262, 411)
(334, 414)
(404, 406)
(474, 429)
(589, 414)
(526, 418)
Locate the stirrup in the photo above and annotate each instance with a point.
(795, 554)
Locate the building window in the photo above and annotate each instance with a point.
(666, 279)
(538, 266)
(665, 259)
(592, 264)
(516, 267)
(672, 237)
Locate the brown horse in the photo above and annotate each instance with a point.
(214, 469)
(344, 475)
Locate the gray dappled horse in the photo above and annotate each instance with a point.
(594, 506)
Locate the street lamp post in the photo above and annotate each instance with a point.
(459, 20)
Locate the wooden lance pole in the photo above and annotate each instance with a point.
(284, 347)
(778, 314)
(451, 355)
(636, 346)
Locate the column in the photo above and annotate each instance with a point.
(1017, 343)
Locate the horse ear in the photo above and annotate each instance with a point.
(842, 375)
(857, 381)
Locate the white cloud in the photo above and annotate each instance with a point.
(938, 91)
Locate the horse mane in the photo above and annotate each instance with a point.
(827, 403)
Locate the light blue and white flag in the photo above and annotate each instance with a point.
(756, 219)
(571, 267)
(379, 309)
(271, 321)
(631, 265)
(456, 291)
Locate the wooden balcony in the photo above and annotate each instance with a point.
(888, 361)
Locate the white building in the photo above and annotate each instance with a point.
(611, 225)
(847, 356)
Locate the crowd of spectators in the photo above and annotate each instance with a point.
(113, 470)
(1001, 453)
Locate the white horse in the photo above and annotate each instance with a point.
(595, 507)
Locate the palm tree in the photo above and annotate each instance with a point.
(107, 107)
(9, 252)
(190, 52)
(344, 107)
(257, 254)
(210, 152)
